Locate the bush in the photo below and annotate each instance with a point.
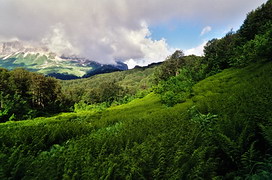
(257, 49)
(177, 88)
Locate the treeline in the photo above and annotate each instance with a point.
(251, 43)
(107, 91)
(117, 87)
(25, 95)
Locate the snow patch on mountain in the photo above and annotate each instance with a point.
(41, 59)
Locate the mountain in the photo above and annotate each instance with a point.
(190, 118)
(108, 68)
(39, 59)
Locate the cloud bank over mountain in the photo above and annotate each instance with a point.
(105, 30)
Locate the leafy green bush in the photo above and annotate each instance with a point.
(257, 49)
(177, 88)
(82, 106)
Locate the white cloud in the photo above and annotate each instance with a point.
(56, 41)
(131, 63)
(205, 30)
(109, 30)
(196, 50)
(153, 50)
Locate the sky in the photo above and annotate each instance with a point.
(137, 32)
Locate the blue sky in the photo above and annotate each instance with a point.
(178, 34)
(187, 34)
(137, 32)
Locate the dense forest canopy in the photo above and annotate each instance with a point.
(26, 95)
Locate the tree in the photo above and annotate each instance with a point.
(45, 91)
(4, 88)
(218, 52)
(92, 96)
(256, 21)
(170, 66)
(20, 79)
(25, 95)
(110, 91)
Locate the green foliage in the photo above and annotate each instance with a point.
(177, 88)
(256, 21)
(251, 43)
(205, 121)
(221, 130)
(174, 90)
(217, 134)
(110, 91)
(257, 49)
(81, 106)
(128, 83)
(170, 67)
(239, 110)
(218, 52)
(25, 95)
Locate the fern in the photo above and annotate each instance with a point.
(267, 133)
(249, 160)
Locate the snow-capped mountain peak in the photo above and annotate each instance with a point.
(39, 58)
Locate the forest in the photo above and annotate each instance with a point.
(189, 117)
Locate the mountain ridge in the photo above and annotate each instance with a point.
(40, 59)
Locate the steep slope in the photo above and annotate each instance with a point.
(220, 132)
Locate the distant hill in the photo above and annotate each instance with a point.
(148, 66)
(133, 80)
(40, 59)
(107, 68)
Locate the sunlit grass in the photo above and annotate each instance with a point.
(145, 138)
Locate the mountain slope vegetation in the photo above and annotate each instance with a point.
(223, 130)
(89, 90)
(189, 118)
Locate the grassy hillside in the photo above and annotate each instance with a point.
(131, 81)
(221, 131)
(189, 118)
